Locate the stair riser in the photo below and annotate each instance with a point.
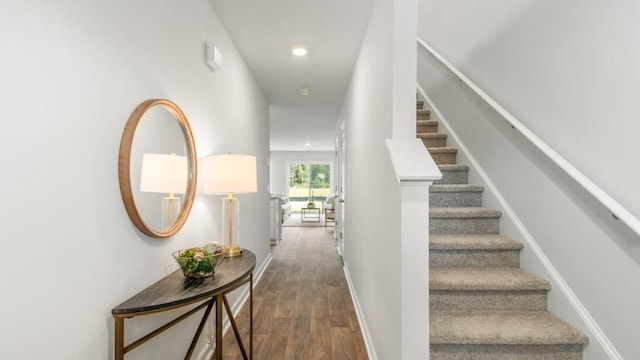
(444, 158)
(434, 142)
(488, 300)
(431, 129)
(463, 226)
(453, 177)
(474, 258)
(506, 352)
(419, 105)
(455, 199)
(423, 114)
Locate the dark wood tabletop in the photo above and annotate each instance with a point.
(175, 290)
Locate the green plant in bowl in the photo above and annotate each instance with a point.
(199, 262)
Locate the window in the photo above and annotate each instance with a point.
(308, 183)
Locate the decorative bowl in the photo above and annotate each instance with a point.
(199, 262)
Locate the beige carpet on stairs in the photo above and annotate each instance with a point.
(482, 305)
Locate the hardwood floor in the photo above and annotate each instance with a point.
(302, 305)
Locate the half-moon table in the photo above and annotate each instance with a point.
(175, 291)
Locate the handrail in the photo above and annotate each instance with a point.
(617, 210)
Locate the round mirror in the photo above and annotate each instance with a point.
(157, 168)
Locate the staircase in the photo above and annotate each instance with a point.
(483, 306)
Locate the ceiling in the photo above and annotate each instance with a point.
(265, 32)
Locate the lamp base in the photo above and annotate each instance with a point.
(232, 251)
(170, 211)
(230, 229)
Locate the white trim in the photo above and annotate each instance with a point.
(414, 271)
(617, 210)
(602, 339)
(262, 269)
(412, 163)
(366, 336)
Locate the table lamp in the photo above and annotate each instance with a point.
(230, 174)
(166, 174)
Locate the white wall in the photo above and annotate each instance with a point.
(567, 67)
(278, 161)
(372, 197)
(72, 72)
(568, 71)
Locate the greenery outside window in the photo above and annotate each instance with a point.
(308, 183)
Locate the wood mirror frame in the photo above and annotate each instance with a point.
(124, 168)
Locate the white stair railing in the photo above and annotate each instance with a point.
(617, 210)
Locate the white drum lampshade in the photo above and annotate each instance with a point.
(165, 174)
(230, 174)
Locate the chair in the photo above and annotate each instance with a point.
(286, 208)
(329, 210)
(329, 216)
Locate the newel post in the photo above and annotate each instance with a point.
(416, 171)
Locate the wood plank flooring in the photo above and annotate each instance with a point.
(302, 306)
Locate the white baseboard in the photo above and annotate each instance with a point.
(368, 343)
(588, 320)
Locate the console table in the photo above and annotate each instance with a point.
(175, 291)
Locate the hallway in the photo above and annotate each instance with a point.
(302, 305)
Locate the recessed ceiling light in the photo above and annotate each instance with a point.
(299, 51)
(307, 144)
(305, 91)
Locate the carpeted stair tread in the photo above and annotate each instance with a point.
(453, 174)
(486, 280)
(453, 167)
(507, 327)
(473, 251)
(431, 136)
(463, 212)
(427, 122)
(423, 114)
(427, 126)
(464, 220)
(450, 188)
(443, 150)
(443, 155)
(419, 104)
(433, 139)
(455, 195)
(473, 242)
